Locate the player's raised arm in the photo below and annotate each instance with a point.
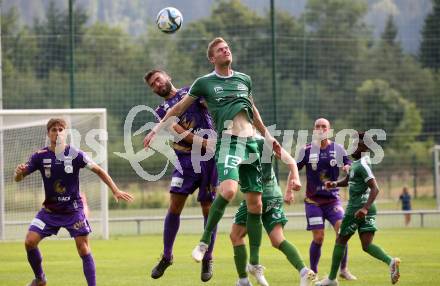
(176, 110)
(24, 169)
(259, 125)
(105, 177)
(293, 180)
(20, 172)
(335, 184)
(190, 137)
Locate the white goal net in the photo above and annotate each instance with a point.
(437, 174)
(23, 132)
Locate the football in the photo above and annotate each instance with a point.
(169, 20)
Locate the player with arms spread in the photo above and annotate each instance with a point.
(59, 165)
(183, 184)
(228, 94)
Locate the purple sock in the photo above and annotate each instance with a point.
(35, 259)
(344, 259)
(170, 229)
(315, 255)
(208, 254)
(89, 269)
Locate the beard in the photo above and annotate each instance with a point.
(165, 91)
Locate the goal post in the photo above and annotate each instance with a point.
(437, 174)
(24, 132)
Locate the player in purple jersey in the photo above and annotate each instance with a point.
(184, 184)
(322, 160)
(59, 165)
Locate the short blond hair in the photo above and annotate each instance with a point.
(212, 44)
(56, 121)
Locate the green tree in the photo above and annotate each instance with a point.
(53, 38)
(378, 106)
(336, 39)
(390, 32)
(430, 46)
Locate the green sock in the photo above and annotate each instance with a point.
(254, 230)
(240, 258)
(292, 254)
(215, 214)
(379, 253)
(338, 253)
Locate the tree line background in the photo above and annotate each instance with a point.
(328, 62)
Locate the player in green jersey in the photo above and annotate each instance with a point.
(360, 214)
(274, 220)
(228, 94)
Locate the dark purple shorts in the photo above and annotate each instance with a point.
(316, 215)
(47, 224)
(206, 181)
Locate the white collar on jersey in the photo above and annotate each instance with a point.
(222, 76)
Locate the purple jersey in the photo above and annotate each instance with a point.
(195, 117)
(322, 165)
(60, 175)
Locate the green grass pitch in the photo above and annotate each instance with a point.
(128, 260)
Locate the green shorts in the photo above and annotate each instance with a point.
(273, 214)
(350, 224)
(238, 159)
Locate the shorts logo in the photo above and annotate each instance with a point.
(276, 215)
(315, 220)
(370, 221)
(176, 182)
(333, 162)
(38, 223)
(232, 161)
(273, 204)
(80, 224)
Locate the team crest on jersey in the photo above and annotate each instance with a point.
(68, 167)
(58, 187)
(241, 86)
(218, 89)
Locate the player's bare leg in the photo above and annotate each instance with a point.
(83, 248)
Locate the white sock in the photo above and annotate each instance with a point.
(244, 280)
(303, 271)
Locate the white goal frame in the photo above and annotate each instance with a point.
(102, 112)
(437, 174)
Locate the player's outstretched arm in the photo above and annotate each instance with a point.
(20, 172)
(189, 136)
(293, 180)
(374, 190)
(259, 125)
(176, 110)
(334, 184)
(105, 177)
